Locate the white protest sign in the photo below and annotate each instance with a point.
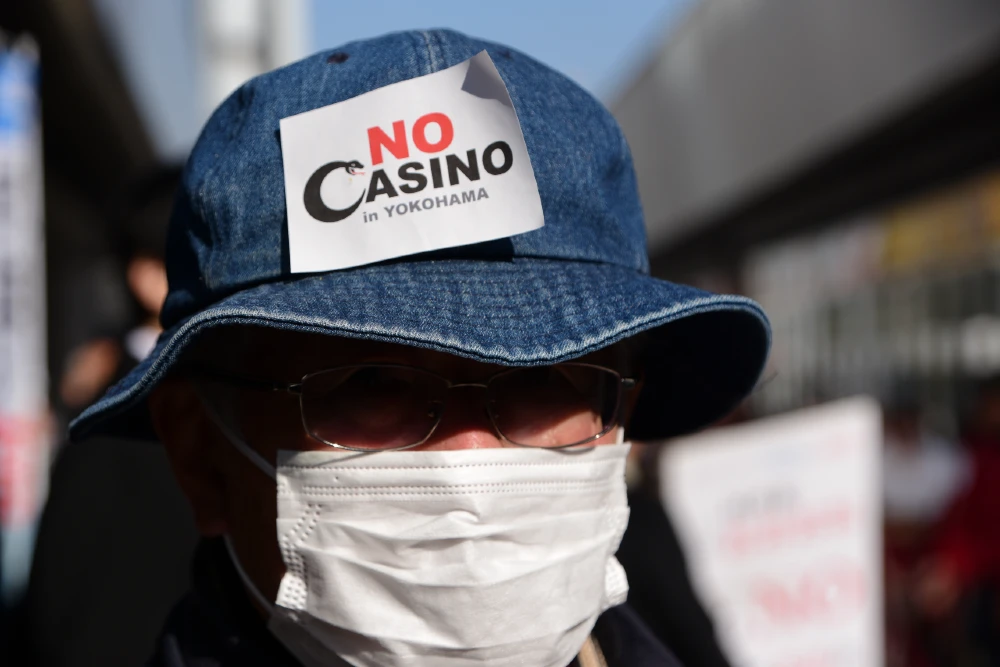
(781, 520)
(433, 162)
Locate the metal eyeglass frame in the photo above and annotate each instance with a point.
(295, 388)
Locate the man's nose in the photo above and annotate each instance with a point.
(465, 423)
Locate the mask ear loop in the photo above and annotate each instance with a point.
(242, 447)
(251, 588)
(232, 436)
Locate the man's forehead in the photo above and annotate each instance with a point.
(291, 354)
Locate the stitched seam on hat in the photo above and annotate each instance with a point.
(442, 58)
(431, 56)
(445, 342)
(579, 347)
(574, 347)
(86, 421)
(625, 159)
(446, 298)
(237, 130)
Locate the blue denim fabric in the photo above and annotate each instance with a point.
(578, 284)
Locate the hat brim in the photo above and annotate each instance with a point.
(706, 350)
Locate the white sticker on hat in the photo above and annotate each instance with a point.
(432, 162)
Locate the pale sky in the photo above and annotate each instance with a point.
(598, 43)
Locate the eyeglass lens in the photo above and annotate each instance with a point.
(391, 407)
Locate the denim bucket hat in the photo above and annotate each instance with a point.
(576, 285)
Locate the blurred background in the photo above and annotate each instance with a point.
(837, 161)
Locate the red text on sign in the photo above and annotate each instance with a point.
(397, 144)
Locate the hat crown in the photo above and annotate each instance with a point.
(229, 226)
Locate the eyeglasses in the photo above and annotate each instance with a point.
(382, 407)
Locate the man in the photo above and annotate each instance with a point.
(408, 280)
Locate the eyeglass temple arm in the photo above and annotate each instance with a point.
(250, 383)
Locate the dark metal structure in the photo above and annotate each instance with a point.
(764, 117)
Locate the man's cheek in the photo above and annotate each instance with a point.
(272, 422)
(578, 426)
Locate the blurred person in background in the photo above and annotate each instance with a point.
(661, 591)
(141, 218)
(960, 581)
(660, 588)
(418, 525)
(115, 537)
(922, 472)
(146, 215)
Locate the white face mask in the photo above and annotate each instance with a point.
(464, 558)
